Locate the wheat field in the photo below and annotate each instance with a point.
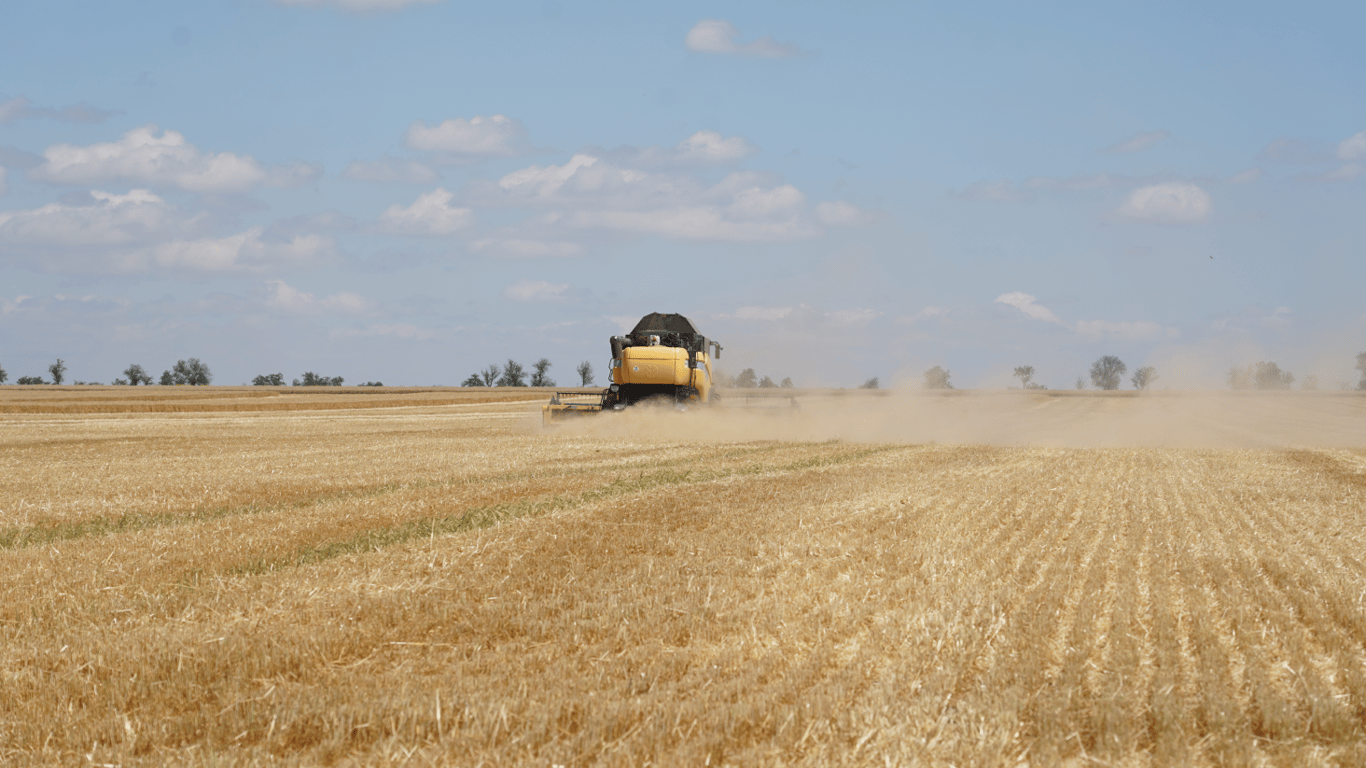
(398, 577)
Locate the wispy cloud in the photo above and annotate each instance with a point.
(431, 215)
(282, 295)
(21, 108)
(720, 36)
(168, 160)
(1091, 329)
(1353, 148)
(1027, 304)
(458, 140)
(1169, 203)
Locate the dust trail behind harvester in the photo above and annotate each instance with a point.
(1080, 420)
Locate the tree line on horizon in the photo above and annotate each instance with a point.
(1106, 373)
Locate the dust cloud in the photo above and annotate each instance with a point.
(1053, 419)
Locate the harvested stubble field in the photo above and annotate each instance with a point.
(869, 579)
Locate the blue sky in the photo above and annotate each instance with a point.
(410, 191)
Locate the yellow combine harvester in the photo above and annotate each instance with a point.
(663, 358)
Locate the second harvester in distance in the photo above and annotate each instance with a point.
(663, 357)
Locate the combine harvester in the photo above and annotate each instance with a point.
(663, 359)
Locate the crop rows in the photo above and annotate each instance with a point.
(457, 586)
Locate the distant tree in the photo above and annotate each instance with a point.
(1144, 377)
(167, 379)
(1106, 372)
(30, 380)
(786, 383)
(937, 378)
(472, 381)
(312, 379)
(190, 372)
(490, 375)
(3, 375)
(136, 375)
(767, 383)
(1263, 375)
(540, 378)
(870, 384)
(1025, 373)
(119, 382)
(1270, 376)
(269, 380)
(585, 371)
(1361, 366)
(373, 384)
(58, 371)
(1081, 383)
(747, 379)
(514, 375)
(1311, 382)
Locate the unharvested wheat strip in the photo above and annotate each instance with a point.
(243, 541)
(493, 472)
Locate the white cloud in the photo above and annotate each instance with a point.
(460, 140)
(142, 157)
(284, 296)
(702, 149)
(1025, 303)
(1138, 142)
(742, 207)
(762, 313)
(536, 292)
(1171, 202)
(720, 36)
(360, 5)
(390, 171)
(244, 253)
(527, 248)
(591, 194)
(110, 220)
(710, 147)
(431, 215)
(1353, 148)
(139, 232)
(545, 182)
(1135, 330)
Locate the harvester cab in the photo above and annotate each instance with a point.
(663, 358)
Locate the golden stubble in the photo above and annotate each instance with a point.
(458, 586)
